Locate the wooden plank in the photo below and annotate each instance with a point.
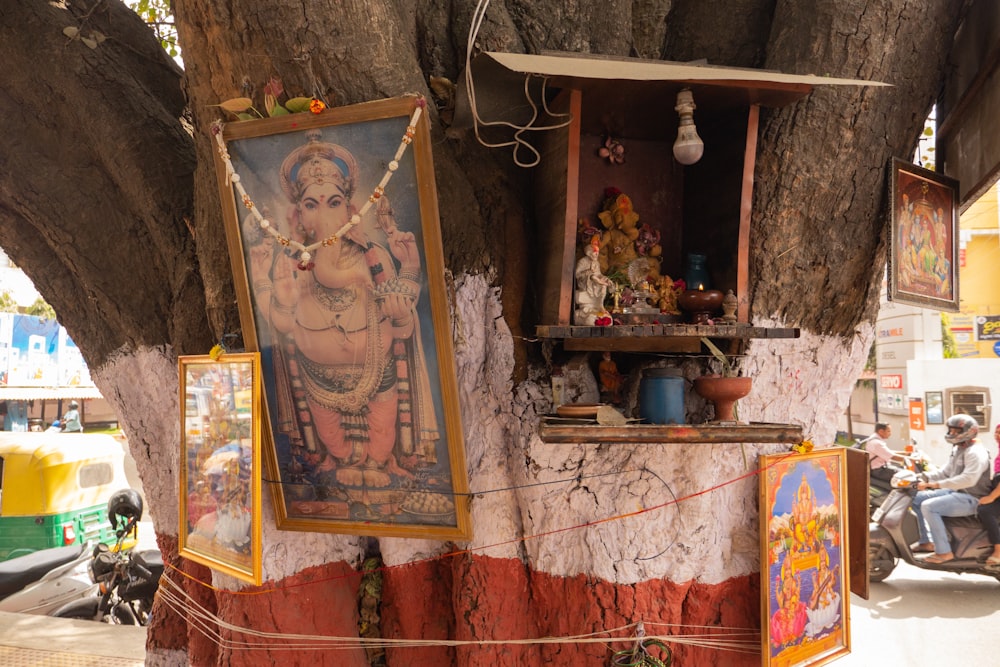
(633, 344)
(555, 180)
(746, 206)
(858, 472)
(572, 212)
(674, 331)
(557, 431)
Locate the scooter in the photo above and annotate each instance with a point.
(894, 527)
(43, 581)
(878, 488)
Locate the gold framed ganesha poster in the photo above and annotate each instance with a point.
(805, 617)
(334, 239)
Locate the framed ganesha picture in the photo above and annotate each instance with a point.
(805, 605)
(334, 238)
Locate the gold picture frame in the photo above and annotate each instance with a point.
(344, 296)
(805, 593)
(220, 474)
(923, 249)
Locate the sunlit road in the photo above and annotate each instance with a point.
(923, 617)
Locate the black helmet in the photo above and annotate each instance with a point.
(126, 505)
(968, 429)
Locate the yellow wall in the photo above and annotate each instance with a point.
(979, 278)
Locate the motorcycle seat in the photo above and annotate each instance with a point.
(17, 573)
(963, 521)
(151, 559)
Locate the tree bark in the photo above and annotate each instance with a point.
(108, 200)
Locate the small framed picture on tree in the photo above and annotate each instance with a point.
(335, 243)
(221, 415)
(923, 248)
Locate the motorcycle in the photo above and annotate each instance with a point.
(45, 580)
(127, 580)
(879, 488)
(894, 528)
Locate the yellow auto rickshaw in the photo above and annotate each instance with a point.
(54, 489)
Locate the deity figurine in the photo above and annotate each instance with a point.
(611, 379)
(591, 286)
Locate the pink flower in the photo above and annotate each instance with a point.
(274, 87)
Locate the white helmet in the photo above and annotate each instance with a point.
(967, 427)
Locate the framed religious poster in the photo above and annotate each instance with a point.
(335, 243)
(220, 463)
(805, 606)
(923, 249)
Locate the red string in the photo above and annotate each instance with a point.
(471, 550)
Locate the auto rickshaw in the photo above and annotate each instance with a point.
(54, 489)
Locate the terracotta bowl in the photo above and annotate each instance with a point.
(723, 392)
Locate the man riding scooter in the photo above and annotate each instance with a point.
(952, 491)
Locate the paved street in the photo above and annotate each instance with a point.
(922, 617)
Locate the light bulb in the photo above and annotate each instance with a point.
(689, 147)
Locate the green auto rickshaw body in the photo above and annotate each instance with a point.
(54, 489)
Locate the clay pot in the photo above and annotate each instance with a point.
(723, 392)
(700, 304)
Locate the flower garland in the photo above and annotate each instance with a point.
(306, 251)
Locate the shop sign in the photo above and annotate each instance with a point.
(891, 381)
(916, 414)
(988, 327)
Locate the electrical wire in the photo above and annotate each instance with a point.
(518, 141)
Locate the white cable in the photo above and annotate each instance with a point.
(518, 141)
(211, 626)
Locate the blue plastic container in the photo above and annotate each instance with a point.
(661, 396)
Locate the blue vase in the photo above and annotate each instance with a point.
(695, 273)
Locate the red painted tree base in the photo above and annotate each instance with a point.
(478, 599)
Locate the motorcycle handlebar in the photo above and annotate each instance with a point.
(141, 570)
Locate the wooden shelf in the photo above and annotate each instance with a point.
(655, 337)
(577, 431)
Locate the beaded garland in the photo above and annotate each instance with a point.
(306, 251)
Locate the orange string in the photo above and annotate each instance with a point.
(471, 550)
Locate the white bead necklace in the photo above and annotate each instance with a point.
(306, 251)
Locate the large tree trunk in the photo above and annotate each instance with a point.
(112, 209)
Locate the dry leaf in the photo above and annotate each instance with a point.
(237, 104)
(609, 416)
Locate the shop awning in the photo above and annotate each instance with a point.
(48, 393)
